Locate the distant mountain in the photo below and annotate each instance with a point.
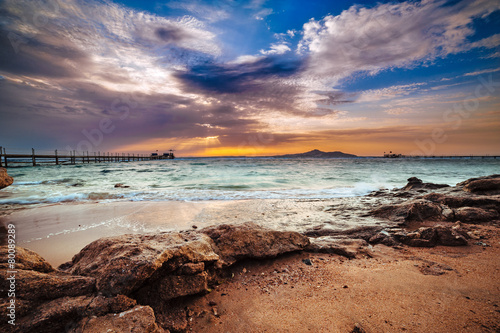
(320, 154)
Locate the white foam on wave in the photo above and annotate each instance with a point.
(28, 183)
(358, 189)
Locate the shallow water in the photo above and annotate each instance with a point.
(231, 179)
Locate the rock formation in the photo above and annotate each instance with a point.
(251, 241)
(470, 202)
(100, 288)
(483, 185)
(415, 183)
(5, 179)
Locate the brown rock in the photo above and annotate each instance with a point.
(349, 248)
(463, 200)
(138, 319)
(248, 240)
(36, 286)
(415, 183)
(384, 238)
(483, 186)
(59, 315)
(23, 307)
(63, 314)
(173, 286)
(101, 305)
(122, 264)
(432, 236)
(24, 259)
(5, 179)
(192, 268)
(417, 210)
(466, 182)
(172, 315)
(423, 237)
(450, 236)
(475, 215)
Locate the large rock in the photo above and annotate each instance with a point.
(64, 314)
(417, 210)
(475, 215)
(24, 259)
(465, 200)
(122, 264)
(483, 186)
(470, 180)
(415, 183)
(236, 242)
(37, 286)
(140, 319)
(160, 270)
(5, 179)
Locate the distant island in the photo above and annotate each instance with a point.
(319, 154)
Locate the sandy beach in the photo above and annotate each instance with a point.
(443, 289)
(59, 231)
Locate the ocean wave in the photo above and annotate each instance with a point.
(223, 192)
(50, 182)
(28, 183)
(73, 197)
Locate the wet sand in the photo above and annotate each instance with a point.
(57, 232)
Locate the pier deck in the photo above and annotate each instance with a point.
(69, 158)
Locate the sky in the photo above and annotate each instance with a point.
(251, 78)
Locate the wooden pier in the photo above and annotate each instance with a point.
(34, 159)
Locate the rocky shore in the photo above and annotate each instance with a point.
(198, 279)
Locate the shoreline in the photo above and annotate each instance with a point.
(59, 231)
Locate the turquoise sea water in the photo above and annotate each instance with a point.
(231, 178)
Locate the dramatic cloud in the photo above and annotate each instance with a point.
(391, 36)
(218, 74)
(238, 78)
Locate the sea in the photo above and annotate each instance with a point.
(202, 179)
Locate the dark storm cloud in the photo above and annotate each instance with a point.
(32, 56)
(65, 116)
(237, 78)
